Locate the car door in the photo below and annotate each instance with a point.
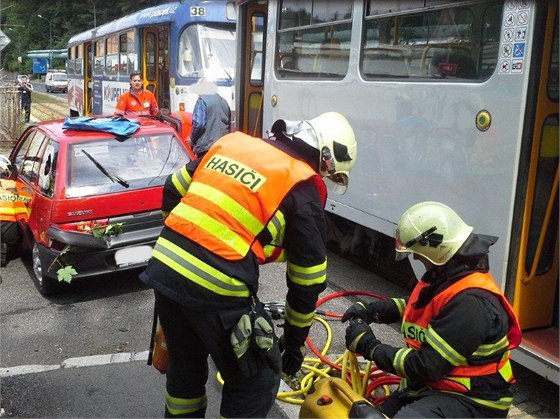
(34, 157)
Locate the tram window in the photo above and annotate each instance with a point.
(99, 58)
(78, 65)
(544, 196)
(151, 46)
(257, 62)
(127, 53)
(189, 60)
(432, 43)
(309, 48)
(295, 13)
(553, 68)
(70, 61)
(217, 44)
(112, 57)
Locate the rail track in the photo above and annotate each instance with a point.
(49, 110)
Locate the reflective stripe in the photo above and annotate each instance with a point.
(218, 230)
(298, 319)
(490, 349)
(400, 303)
(399, 359)
(444, 349)
(179, 406)
(506, 371)
(197, 271)
(277, 226)
(181, 180)
(228, 204)
(312, 275)
(502, 404)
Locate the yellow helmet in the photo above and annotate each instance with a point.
(432, 230)
(331, 134)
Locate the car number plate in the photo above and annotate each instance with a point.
(133, 255)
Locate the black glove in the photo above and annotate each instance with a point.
(367, 312)
(360, 339)
(292, 358)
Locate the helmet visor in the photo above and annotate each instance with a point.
(400, 248)
(337, 183)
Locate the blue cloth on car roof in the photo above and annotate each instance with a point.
(118, 125)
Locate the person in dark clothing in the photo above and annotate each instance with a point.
(247, 202)
(25, 88)
(211, 120)
(457, 324)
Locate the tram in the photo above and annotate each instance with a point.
(451, 101)
(174, 45)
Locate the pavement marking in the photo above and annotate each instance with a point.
(78, 362)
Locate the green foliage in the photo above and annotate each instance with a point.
(107, 231)
(65, 274)
(63, 259)
(28, 32)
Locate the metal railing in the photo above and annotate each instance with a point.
(12, 119)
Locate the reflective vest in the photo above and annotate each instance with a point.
(234, 194)
(458, 380)
(15, 201)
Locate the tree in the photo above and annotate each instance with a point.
(29, 32)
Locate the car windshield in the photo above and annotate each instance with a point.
(60, 77)
(109, 165)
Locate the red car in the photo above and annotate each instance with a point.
(96, 205)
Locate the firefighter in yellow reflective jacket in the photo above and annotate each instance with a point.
(247, 202)
(458, 325)
(15, 205)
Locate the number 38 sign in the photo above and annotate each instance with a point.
(198, 11)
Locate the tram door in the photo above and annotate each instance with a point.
(535, 298)
(88, 81)
(155, 63)
(251, 69)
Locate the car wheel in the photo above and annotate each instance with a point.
(46, 285)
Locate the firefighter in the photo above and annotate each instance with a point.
(15, 201)
(250, 201)
(458, 326)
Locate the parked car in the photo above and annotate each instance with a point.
(56, 81)
(96, 204)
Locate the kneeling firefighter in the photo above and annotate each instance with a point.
(15, 206)
(247, 202)
(457, 324)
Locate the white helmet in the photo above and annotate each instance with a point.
(5, 167)
(432, 230)
(331, 134)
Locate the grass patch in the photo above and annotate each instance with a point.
(37, 97)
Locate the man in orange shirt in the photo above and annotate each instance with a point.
(137, 101)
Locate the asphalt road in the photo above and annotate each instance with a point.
(83, 353)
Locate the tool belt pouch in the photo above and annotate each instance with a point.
(255, 345)
(160, 356)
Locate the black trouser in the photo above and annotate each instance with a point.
(191, 336)
(26, 106)
(9, 232)
(436, 404)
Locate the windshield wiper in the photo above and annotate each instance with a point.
(102, 169)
